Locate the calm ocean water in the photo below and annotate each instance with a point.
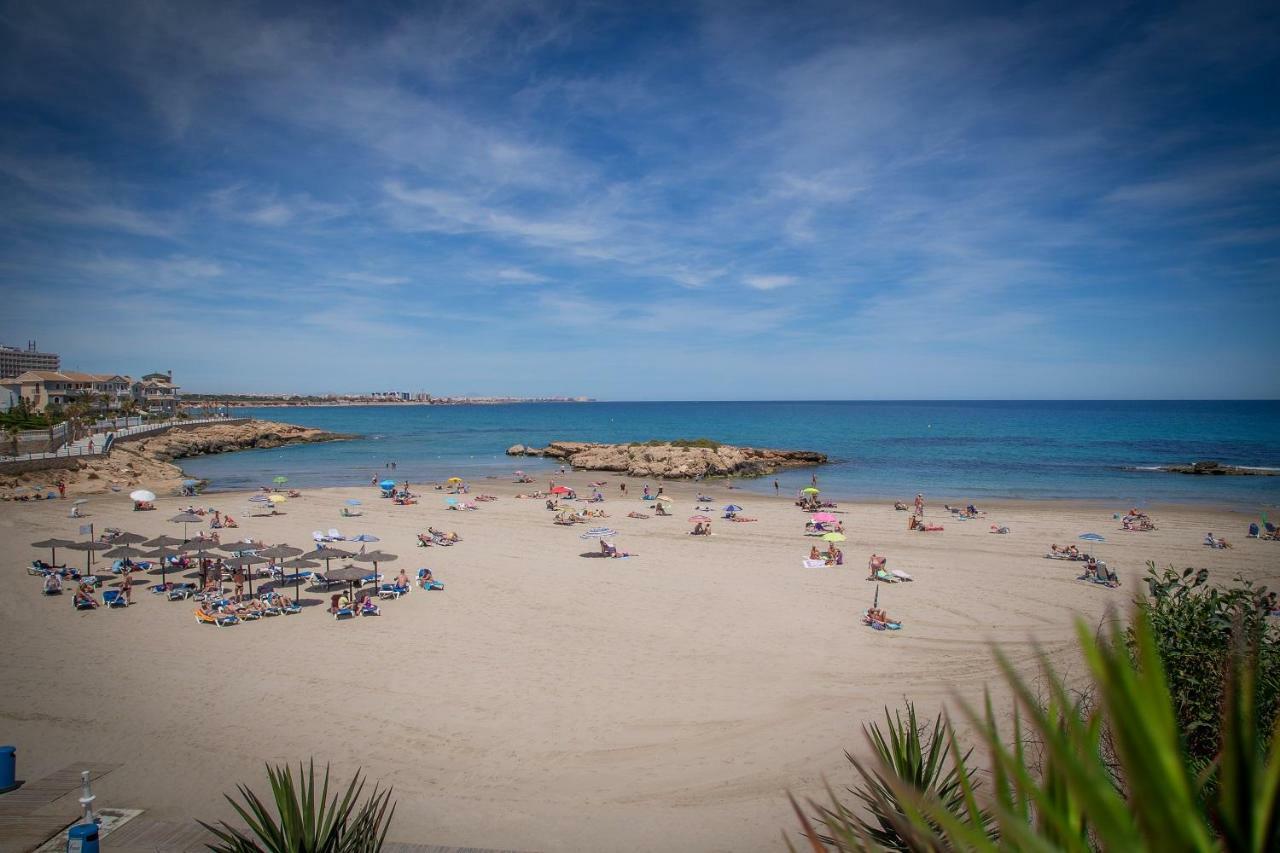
(960, 450)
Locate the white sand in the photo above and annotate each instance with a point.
(546, 701)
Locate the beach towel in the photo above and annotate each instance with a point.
(814, 564)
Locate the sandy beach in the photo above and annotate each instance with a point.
(550, 701)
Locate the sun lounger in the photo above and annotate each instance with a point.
(882, 575)
(429, 585)
(318, 536)
(114, 598)
(370, 608)
(84, 604)
(222, 620)
(318, 579)
(901, 575)
(344, 613)
(181, 591)
(335, 536)
(390, 590)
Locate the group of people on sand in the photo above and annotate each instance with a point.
(437, 537)
(1136, 520)
(833, 556)
(1216, 541)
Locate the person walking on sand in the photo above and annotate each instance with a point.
(62, 489)
(623, 487)
(920, 505)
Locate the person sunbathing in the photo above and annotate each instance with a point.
(913, 522)
(228, 521)
(402, 581)
(424, 541)
(84, 596)
(637, 515)
(814, 554)
(899, 506)
(52, 584)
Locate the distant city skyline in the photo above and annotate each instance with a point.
(662, 202)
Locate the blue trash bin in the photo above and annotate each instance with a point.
(83, 838)
(8, 768)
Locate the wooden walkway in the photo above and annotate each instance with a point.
(41, 809)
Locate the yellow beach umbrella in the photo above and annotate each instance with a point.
(454, 480)
(833, 537)
(810, 490)
(276, 499)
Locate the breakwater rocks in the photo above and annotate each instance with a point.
(1211, 468)
(226, 438)
(677, 460)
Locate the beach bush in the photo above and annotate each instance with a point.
(1194, 624)
(298, 819)
(1065, 799)
(906, 752)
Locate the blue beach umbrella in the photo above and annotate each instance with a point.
(599, 533)
(450, 501)
(733, 508)
(259, 499)
(352, 502)
(1092, 537)
(387, 484)
(365, 537)
(190, 483)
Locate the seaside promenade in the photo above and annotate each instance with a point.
(99, 443)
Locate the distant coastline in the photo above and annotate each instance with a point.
(207, 401)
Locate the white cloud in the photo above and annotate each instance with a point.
(768, 282)
(516, 275)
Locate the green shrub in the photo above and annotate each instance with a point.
(1070, 802)
(303, 821)
(1194, 624)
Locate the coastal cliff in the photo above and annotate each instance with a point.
(673, 461)
(148, 462)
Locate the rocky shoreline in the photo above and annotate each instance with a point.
(148, 462)
(675, 460)
(1209, 468)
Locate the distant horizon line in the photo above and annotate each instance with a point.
(568, 400)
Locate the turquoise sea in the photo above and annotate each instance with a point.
(949, 450)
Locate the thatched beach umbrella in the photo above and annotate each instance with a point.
(324, 552)
(375, 557)
(297, 566)
(279, 552)
(351, 574)
(166, 547)
(247, 561)
(185, 518)
(53, 545)
(88, 547)
(127, 539)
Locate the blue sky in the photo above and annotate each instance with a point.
(685, 201)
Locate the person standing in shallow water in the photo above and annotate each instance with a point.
(775, 488)
(920, 505)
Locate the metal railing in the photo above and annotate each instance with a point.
(101, 444)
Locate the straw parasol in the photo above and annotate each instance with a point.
(88, 547)
(127, 539)
(375, 557)
(297, 566)
(53, 545)
(185, 518)
(166, 546)
(279, 552)
(324, 552)
(351, 574)
(247, 561)
(124, 552)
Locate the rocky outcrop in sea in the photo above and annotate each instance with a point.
(673, 461)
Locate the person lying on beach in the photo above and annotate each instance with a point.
(52, 584)
(424, 541)
(736, 517)
(899, 506)
(637, 515)
(995, 528)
